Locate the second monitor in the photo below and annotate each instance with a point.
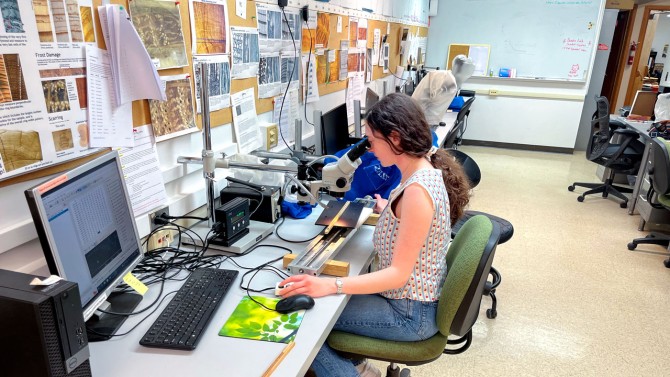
(644, 104)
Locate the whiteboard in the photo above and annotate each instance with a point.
(545, 39)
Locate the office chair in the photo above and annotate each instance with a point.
(455, 135)
(469, 259)
(622, 156)
(474, 175)
(659, 179)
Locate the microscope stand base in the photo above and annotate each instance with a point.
(257, 231)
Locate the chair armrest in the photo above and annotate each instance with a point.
(634, 135)
(628, 137)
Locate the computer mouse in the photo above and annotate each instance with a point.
(293, 303)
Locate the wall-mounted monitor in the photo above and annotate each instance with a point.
(86, 227)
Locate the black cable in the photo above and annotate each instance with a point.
(182, 217)
(296, 56)
(290, 241)
(262, 267)
(138, 323)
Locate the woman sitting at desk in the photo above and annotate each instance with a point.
(399, 300)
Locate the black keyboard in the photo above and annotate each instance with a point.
(183, 321)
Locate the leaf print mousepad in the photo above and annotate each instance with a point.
(251, 321)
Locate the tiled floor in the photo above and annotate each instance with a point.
(574, 301)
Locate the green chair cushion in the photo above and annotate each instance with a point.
(664, 200)
(388, 350)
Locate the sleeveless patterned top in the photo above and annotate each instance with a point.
(430, 269)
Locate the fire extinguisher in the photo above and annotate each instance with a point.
(631, 53)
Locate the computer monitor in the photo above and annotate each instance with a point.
(335, 130)
(644, 103)
(86, 227)
(371, 98)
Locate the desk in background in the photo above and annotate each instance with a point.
(638, 201)
(231, 357)
(449, 119)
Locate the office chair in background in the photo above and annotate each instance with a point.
(455, 135)
(621, 156)
(659, 179)
(474, 175)
(469, 259)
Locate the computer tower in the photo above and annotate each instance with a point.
(42, 329)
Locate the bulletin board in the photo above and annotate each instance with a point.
(334, 44)
(140, 109)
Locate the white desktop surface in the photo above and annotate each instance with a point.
(230, 357)
(449, 118)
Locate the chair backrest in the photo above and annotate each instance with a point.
(456, 132)
(660, 159)
(600, 130)
(469, 165)
(469, 261)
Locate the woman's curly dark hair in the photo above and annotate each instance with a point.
(400, 113)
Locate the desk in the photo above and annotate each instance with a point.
(638, 201)
(231, 357)
(449, 119)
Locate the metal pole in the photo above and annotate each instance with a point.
(318, 133)
(357, 118)
(207, 153)
(298, 135)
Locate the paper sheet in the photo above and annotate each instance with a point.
(109, 125)
(376, 45)
(245, 52)
(135, 76)
(209, 35)
(311, 88)
(290, 71)
(354, 92)
(241, 8)
(245, 121)
(142, 172)
(289, 113)
(269, 75)
(339, 24)
(219, 81)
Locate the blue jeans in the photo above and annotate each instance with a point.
(377, 317)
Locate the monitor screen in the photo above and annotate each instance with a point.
(371, 98)
(335, 130)
(85, 224)
(644, 103)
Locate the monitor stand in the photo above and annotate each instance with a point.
(105, 325)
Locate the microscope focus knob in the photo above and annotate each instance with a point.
(341, 182)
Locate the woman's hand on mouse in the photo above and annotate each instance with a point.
(308, 285)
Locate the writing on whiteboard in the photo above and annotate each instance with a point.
(577, 44)
(574, 71)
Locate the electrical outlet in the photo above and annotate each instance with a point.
(493, 92)
(270, 135)
(158, 213)
(162, 238)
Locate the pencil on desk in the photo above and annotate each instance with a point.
(279, 359)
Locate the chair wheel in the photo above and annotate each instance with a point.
(405, 373)
(571, 188)
(490, 314)
(623, 204)
(666, 263)
(632, 246)
(580, 198)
